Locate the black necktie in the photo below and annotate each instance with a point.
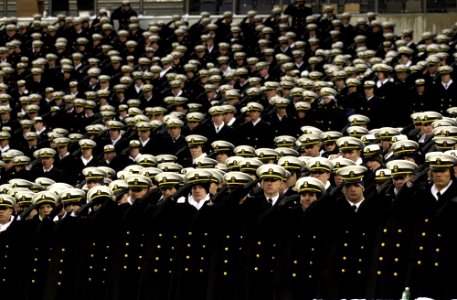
(354, 208)
(270, 201)
(438, 195)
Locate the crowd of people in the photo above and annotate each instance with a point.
(297, 156)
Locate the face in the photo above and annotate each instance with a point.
(337, 180)
(321, 175)
(144, 134)
(218, 119)
(221, 157)
(400, 180)
(351, 154)
(292, 180)
(196, 151)
(198, 192)
(254, 115)
(373, 165)
(168, 191)
(353, 192)
(5, 214)
(47, 162)
(86, 152)
(385, 144)
(69, 208)
(137, 193)
(330, 147)
(272, 186)
(114, 134)
(312, 150)
(45, 209)
(427, 129)
(92, 183)
(441, 178)
(306, 199)
(174, 132)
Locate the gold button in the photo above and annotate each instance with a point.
(226, 249)
(345, 244)
(396, 259)
(225, 261)
(256, 269)
(59, 283)
(294, 275)
(345, 258)
(189, 245)
(186, 269)
(399, 230)
(383, 244)
(228, 236)
(190, 233)
(395, 274)
(34, 270)
(60, 272)
(379, 272)
(259, 243)
(424, 234)
(419, 262)
(187, 257)
(257, 255)
(426, 220)
(126, 255)
(385, 230)
(421, 248)
(127, 244)
(202, 258)
(381, 259)
(437, 264)
(359, 272)
(225, 273)
(343, 270)
(89, 279)
(156, 271)
(437, 249)
(63, 249)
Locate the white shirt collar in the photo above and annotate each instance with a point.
(359, 161)
(202, 155)
(357, 205)
(327, 185)
(256, 122)
(446, 85)
(86, 161)
(47, 170)
(435, 191)
(274, 199)
(7, 147)
(198, 204)
(5, 226)
(116, 140)
(232, 120)
(220, 126)
(144, 142)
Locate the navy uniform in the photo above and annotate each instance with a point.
(328, 115)
(432, 266)
(262, 236)
(304, 253)
(345, 274)
(12, 251)
(394, 234)
(446, 92)
(257, 135)
(129, 247)
(98, 228)
(225, 270)
(41, 245)
(65, 254)
(161, 240)
(190, 273)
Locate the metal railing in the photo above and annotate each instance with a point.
(238, 7)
